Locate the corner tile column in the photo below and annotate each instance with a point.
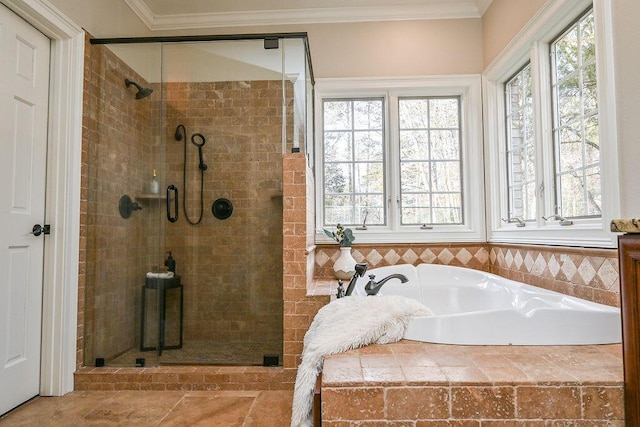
(299, 309)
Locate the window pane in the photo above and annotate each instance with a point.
(445, 176)
(570, 108)
(337, 178)
(353, 161)
(566, 53)
(369, 178)
(447, 215)
(414, 113)
(594, 193)
(337, 115)
(338, 209)
(445, 145)
(414, 145)
(521, 151)
(589, 88)
(572, 190)
(430, 160)
(414, 176)
(367, 114)
(337, 146)
(371, 206)
(368, 145)
(570, 141)
(416, 209)
(577, 144)
(588, 38)
(592, 141)
(443, 113)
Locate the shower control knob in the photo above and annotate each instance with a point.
(41, 229)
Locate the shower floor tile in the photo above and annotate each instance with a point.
(204, 353)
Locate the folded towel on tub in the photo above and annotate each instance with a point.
(342, 325)
(167, 275)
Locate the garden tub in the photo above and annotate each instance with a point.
(472, 307)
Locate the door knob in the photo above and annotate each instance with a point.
(41, 229)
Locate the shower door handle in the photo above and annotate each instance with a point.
(172, 189)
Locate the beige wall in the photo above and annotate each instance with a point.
(403, 48)
(502, 21)
(626, 38)
(370, 49)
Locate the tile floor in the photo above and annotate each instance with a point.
(156, 408)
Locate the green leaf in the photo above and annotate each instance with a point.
(331, 234)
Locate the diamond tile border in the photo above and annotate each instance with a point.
(592, 274)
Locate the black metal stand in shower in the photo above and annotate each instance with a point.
(162, 285)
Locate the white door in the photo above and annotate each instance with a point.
(24, 90)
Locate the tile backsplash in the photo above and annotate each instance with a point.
(591, 274)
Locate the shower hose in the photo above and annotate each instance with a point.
(198, 140)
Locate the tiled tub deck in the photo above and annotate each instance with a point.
(420, 384)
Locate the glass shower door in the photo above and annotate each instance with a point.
(184, 173)
(123, 225)
(226, 98)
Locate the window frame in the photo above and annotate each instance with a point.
(468, 88)
(532, 44)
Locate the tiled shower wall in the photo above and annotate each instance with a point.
(591, 274)
(231, 269)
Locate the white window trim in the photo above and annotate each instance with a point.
(468, 87)
(532, 44)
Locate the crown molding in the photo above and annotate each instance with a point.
(442, 10)
(483, 5)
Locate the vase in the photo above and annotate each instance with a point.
(345, 265)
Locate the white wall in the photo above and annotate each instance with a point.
(626, 18)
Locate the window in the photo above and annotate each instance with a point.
(430, 179)
(401, 161)
(521, 150)
(575, 121)
(354, 161)
(551, 181)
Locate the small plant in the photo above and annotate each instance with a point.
(344, 236)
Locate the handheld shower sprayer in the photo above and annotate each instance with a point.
(198, 140)
(201, 165)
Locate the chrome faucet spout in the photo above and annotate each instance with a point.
(372, 287)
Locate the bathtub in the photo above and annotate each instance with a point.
(471, 307)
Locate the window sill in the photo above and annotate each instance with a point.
(414, 235)
(581, 235)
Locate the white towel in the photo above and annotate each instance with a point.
(342, 325)
(167, 275)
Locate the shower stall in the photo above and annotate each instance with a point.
(185, 138)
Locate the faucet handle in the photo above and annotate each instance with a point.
(341, 290)
(372, 276)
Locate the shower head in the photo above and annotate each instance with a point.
(142, 91)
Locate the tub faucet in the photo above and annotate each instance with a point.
(372, 287)
(360, 270)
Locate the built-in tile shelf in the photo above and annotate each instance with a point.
(149, 196)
